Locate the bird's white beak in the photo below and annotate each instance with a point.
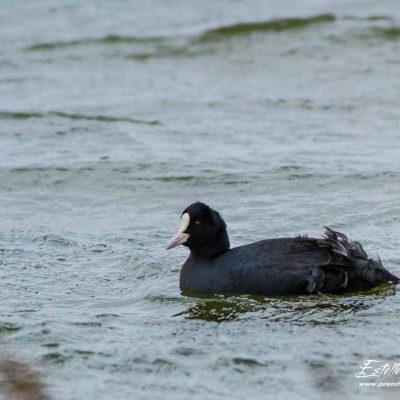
(180, 237)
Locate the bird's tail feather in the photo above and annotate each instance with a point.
(350, 254)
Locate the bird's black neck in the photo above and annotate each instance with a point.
(218, 246)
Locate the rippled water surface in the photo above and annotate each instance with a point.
(114, 116)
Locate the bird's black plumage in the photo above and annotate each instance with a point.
(286, 266)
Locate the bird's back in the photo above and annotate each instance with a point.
(274, 266)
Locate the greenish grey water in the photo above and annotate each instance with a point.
(116, 115)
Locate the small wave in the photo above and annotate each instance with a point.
(55, 358)
(388, 33)
(19, 115)
(368, 18)
(275, 25)
(56, 240)
(148, 47)
(101, 118)
(108, 39)
(7, 327)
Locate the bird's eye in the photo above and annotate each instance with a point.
(197, 222)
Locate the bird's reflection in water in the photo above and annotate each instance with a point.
(19, 381)
(318, 309)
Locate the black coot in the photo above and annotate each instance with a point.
(286, 266)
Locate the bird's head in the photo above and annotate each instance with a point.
(202, 230)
